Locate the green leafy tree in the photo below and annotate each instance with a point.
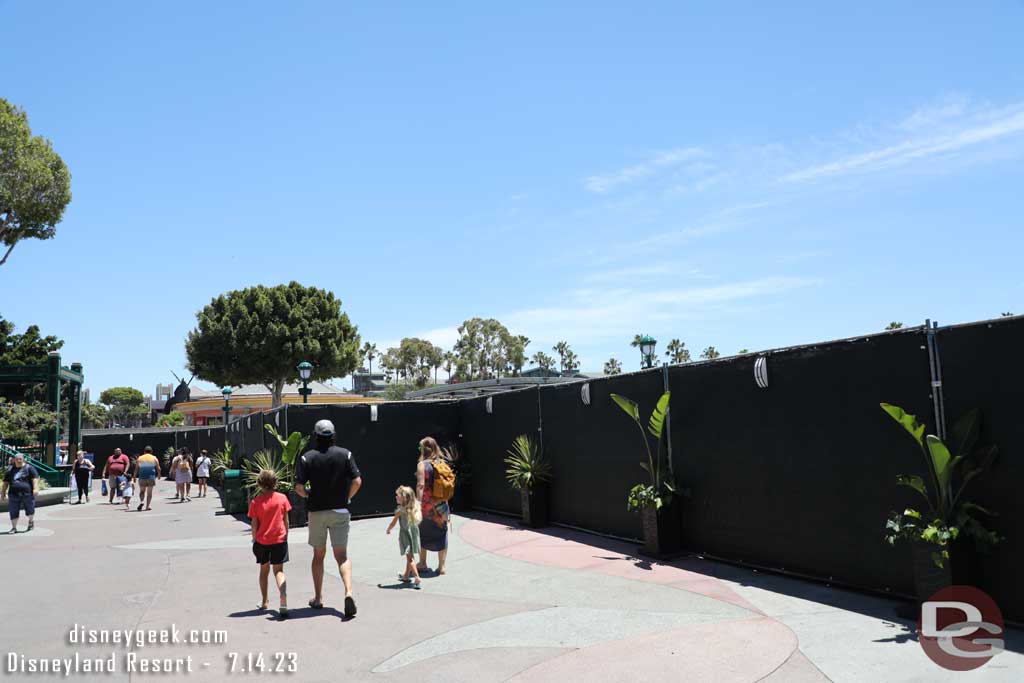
(21, 423)
(543, 361)
(260, 334)
(29, 348)
(175, 418)
(612, 367)
(742, 351)
(127, 405)
(396, 391)
(677, 352)
(710, 353)
(35, 184)
(894, 325)
(413, 360)
(95, 416)
(486, 348)
(1007, 314)
(449, 359)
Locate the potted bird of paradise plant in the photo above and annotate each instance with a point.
(291, 448)
(939, 530)
(656, 501)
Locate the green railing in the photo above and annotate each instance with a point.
(50, 475)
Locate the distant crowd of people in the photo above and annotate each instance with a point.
(326, 476)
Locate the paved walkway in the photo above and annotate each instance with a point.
(515, 605)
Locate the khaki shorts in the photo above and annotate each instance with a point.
(322, 521)
(146, 483)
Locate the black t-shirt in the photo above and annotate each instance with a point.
(330, 474)
(20, 479)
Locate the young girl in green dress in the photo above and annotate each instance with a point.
(408, 517)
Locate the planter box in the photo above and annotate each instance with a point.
(535, 507)
(663, 530)
(297, 516)
(960, 568)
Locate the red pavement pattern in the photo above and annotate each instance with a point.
(754, 649)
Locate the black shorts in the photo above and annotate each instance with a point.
(274, 554)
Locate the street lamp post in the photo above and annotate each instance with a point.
(647, 344)
(305, 369)
(226, 391)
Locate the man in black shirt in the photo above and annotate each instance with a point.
(333, 480)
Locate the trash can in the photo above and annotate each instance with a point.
(234, 493)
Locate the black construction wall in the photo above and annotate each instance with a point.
(981, 369)
(385, 450)
(596, 450)
(102, 444)
(802, 475)
(486, 438)
(210, 439)
(252, 434)
(233, 436)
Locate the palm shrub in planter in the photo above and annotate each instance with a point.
(529, 471)
(291, 448)
(937, 533)
(220, 461)
(655, 501)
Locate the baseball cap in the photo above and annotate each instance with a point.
(324, 428)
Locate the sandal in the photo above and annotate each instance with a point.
(314, 604)
(350, 607)
(262, 607)
(403, 578)
(416, 585)
(282, 613)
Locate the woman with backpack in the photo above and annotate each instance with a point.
(435, 484)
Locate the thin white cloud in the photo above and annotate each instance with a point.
(605, 182)
(604, 314)
(949, 107)
(1002, 125)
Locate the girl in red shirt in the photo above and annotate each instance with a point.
(269, 514)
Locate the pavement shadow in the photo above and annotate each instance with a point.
(397, 586)
(883, 608)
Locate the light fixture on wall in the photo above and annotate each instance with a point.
(761, 371)
(489, 405)
(373, 413)
(248, 423)
(585, 393)
(305, 369)
(647, 345)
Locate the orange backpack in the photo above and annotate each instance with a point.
(444, 480)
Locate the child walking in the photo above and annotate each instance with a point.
(408, 516)
(269, 514)
(127, 490)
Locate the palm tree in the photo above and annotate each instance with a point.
(572, 361)
(710, 353)
(894, 325)
(677, 352)
(543, 360)
(742, 351)
(612, 367)
(636, 341)
(562, 349)
(369, 351)
(448, 361)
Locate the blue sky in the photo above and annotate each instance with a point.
(736, 175)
